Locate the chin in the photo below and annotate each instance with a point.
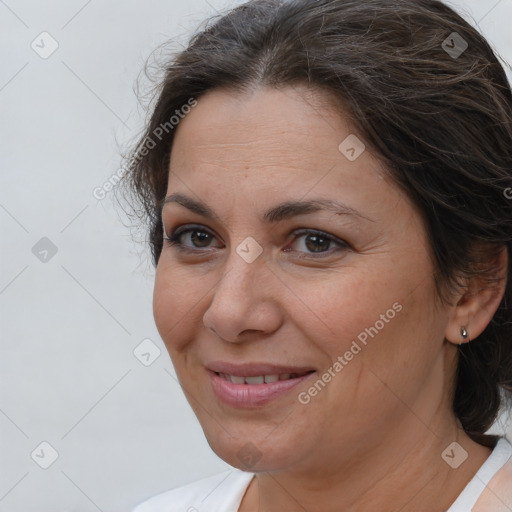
(252, 453)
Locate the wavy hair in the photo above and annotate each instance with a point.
(426, 93)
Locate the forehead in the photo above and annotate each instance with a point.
(291, 129)
(245, 155)
(255, 149)
(249, 115)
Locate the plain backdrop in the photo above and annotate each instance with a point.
(75, 288)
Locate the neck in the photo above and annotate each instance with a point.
(403, 471)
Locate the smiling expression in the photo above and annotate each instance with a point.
(283, 251)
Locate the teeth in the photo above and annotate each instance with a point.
(259, 379)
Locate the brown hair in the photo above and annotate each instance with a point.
(438, 114)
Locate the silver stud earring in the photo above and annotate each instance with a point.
(464, 333)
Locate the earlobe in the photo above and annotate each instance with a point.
(459, 334)
(478, 304)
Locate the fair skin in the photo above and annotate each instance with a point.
(372, 438)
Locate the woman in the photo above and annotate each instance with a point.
(327, 186)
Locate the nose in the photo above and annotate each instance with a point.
(244, 300)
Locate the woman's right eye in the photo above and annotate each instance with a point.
(191, 239)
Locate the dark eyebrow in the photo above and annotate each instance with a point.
(276, 213)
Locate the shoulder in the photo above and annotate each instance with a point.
(221, 492)
(497, 493)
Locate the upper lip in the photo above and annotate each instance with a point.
(255, 369)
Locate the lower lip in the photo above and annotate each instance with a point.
(251, 395)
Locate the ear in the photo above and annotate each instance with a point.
(477, 303)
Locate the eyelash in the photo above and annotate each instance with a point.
(173, 240)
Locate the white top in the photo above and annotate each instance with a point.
(223, 492)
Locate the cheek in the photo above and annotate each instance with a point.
(382, 329)
(378, 308)
(334, 311)
(176, 305)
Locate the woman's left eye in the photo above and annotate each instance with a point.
(317, 243)
(312, 243)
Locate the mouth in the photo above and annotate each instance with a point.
(258, 369)
(261, 379)
(255, 384)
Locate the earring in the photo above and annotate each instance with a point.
(464, 333)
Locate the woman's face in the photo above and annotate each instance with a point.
(254, 284)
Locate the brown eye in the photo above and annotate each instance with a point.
(191, 238)
(313, 243)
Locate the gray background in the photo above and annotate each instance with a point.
(69, 325)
